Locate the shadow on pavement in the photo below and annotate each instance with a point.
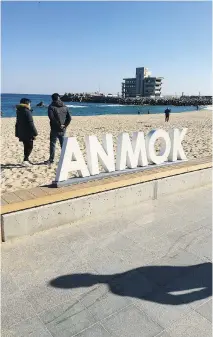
(160, 284)
(9, 166)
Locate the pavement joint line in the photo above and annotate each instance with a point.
(200, 305)
(102, 320)
(105, 329)
(149, 317)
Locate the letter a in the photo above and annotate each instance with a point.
(71, 160)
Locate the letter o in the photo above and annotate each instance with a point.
(150, 146)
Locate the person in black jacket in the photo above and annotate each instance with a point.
(25, 128)
(59, 118)
(167, 114)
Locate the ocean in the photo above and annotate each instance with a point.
(9, 101)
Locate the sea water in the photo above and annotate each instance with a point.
(9, 102)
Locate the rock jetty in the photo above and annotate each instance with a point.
(176, 101)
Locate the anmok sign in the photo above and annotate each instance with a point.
(138, 151)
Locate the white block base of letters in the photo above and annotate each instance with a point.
(177, 152)
(131, 154)
(165, 147)
(100, 153)
(71, 160)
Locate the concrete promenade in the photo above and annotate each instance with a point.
(142, 272)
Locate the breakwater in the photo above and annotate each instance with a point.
(176, 101)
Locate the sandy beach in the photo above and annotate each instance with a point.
(197, 143)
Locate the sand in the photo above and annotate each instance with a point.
(197, 143)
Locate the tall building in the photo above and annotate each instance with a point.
(142, 85)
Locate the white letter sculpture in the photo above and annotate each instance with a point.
(150, 146)
(97, 152)
(131, 154)
(177, 152)
(71, 160)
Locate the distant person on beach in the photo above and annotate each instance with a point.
(138, 112)
(60, 118)
(41, 104)
(197, 107)
(25, 129)
(167, 114)
(148, 112)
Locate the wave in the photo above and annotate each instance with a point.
(208, 107)
(77, 106)
(109, 105)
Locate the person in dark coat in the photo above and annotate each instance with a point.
(41, 104)
(167, 114)
(25, 128)
(60, 118)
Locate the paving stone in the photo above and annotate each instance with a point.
(24, 194)
(163, 314)
(164, 270)
(8, 287)
(102, 303)
(117, 243)
(73, 237)
(145, 253)
(11, 198)
(15, 309)
(193, 233)
(13, 264)
(95, 331)
(67, 319)
(104, 261)
(155, 228)
(103, 229)
(193, 325)
(202, 247)
(131, 322)
(55, 292)
(38, 192)
(206, 310)
(45, 268)
(31, 327)
(3, 202)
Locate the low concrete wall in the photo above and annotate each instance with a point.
(33, 220)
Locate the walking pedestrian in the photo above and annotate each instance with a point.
(60, 118)
(167, 114)
(25, 129)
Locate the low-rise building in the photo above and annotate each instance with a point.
(142, 85)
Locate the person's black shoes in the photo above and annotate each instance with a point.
(49, 162)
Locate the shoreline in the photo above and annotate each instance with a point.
(127, 110)
(197, 143)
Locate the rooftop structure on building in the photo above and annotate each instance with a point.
(142, 85)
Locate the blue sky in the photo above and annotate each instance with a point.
(81, 46)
